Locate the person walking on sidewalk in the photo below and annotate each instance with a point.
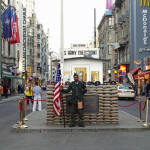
(37, 92)
(78, 90)
(148, 89)
(29, 94)
(6, 90)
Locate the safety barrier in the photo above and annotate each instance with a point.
(22, 108)
(141, 109)
(146, 123)
(33, 100)
(22, 113)
(129, 105)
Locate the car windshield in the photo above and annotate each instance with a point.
(125, 87)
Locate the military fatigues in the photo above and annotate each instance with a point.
(78, 90)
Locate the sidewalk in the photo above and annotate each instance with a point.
(37, 123)
(11, 98)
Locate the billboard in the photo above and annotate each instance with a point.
(140, 31)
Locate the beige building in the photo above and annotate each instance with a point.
(122, 35)
(106, 39)
(12, 53)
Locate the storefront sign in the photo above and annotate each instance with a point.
(80, 52)
(140, 30)
(24, 40)
(145, 27)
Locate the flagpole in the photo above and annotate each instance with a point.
(62, 55)
(0, 53)
(62, 40)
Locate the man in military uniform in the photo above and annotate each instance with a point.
(78, 90)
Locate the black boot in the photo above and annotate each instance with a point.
(81, 125)
(72, 125)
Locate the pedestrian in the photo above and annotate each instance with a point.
(6, 90)
(29, 94)
(135, 87)
(148, 89)
(2, 90)
(76, 102)
(19, 88)
(37, 92)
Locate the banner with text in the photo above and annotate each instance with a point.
(109, 4)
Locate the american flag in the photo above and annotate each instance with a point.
(57, 97)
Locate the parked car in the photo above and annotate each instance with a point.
(126, 92)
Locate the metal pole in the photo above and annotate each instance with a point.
(0, 53)
(117, 66)
(62, 40)
(94, 27)
(62, 49)
(140, 111)
(146, 123)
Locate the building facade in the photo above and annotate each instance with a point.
(122, 36)
(43, 61)
(12, 53)
(106, 39)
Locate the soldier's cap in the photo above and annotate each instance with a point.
(75, 74)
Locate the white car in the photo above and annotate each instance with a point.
(126, 92)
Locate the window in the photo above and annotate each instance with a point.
(38, 36)
(38, 26)
(94, 76)
(110, 21)
(109, 49)
(38, 55)
(8, 2)
(38, 64)
(8, 49)
(30, 51)
(109, 35)
(38, 46)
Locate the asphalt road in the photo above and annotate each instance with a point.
(9, 115)
(134, 109)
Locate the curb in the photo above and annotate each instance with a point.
(16, 130)
(10, 99)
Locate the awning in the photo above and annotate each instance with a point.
(142, 74)
(9, 76)
(20, 78)
(134, 70)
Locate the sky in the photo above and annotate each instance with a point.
(78, 20)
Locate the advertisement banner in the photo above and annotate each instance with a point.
(109, 4)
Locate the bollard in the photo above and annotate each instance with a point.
(22, 116)
(20, 102)
(140, 111)
(146, 123)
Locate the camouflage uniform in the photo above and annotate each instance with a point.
(78, 90)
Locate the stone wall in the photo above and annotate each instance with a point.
(108, 106)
